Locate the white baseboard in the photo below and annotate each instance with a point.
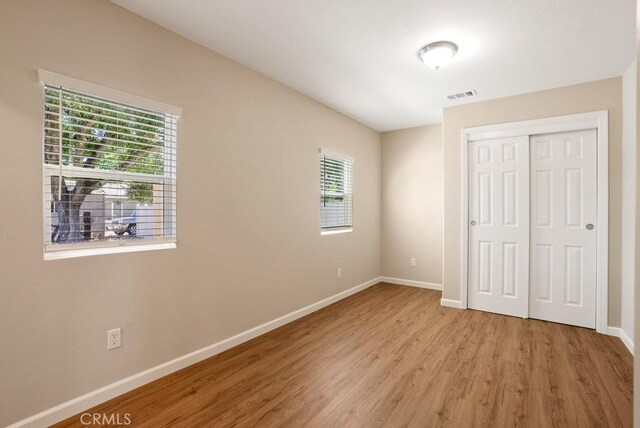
(451, 303)
(100, 395)
(618, 332)
(411, 283)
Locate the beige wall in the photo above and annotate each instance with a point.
(636, 296)
(600, 95)
(249, 248)
(412, 203)
(628, 219)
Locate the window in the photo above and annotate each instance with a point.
(109, 171)
(336, 194)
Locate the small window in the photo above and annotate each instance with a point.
(109, 174)
(336, 194)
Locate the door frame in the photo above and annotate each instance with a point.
(574, 122)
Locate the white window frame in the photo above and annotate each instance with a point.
(82, 249)
(347, 229)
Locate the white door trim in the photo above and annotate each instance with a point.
(574, 122)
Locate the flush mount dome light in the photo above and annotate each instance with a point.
(438, 54)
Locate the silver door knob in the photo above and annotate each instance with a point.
(473, 223)
(590, 226)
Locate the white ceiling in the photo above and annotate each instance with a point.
(360, 56)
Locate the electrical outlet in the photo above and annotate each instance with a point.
(339, 272)
(114, 339)
(413, 262)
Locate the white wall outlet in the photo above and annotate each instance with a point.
(339, 272)
(114, 339)
(412, 262)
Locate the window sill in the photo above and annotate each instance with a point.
(336, 231)
(96, 251)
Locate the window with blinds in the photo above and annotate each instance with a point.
(336, 193)
(109, 172)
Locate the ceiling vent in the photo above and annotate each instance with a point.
(466, 94)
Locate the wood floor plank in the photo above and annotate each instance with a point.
(392, 356)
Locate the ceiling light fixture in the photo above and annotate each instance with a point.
(438, 54)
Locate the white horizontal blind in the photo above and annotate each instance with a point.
(109, 172)
(336, 192)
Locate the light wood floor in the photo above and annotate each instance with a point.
(392, 356)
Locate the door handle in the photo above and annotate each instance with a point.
(590, 226)
(473, 223)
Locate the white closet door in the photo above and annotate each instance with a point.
(563, 228)
(499, 226)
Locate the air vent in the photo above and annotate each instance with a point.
(466, 94)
